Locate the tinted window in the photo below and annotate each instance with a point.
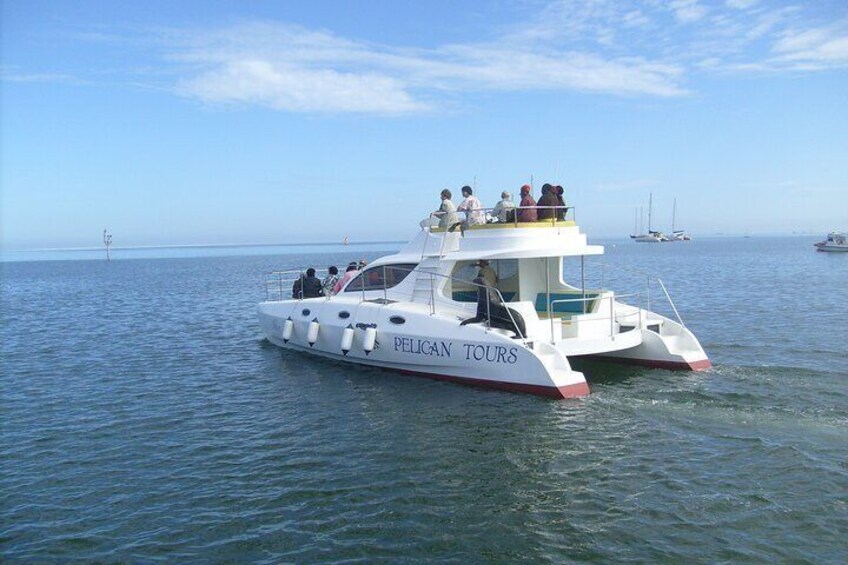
(378, 278)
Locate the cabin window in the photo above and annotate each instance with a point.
(380, 277)
(506, 272)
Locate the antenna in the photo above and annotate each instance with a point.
(107, 241)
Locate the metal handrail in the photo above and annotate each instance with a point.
(671, 302)
(432, 292)
(287, 277)
(472, 283)
(553, 220)
(648, 280)
(612, 316)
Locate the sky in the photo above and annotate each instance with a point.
(204, 122)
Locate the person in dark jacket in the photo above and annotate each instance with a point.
(561, 203)
(308, 286)
(546, 203)
(490, 307)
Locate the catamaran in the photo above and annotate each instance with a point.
(676, 234)
(431, 310)
(651, 236)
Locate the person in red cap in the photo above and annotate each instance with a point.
(527, 211)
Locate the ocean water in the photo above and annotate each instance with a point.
(144, 419)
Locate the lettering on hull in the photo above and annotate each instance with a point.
(438, 348)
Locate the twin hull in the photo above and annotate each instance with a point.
(405, 342)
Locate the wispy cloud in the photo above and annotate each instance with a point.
(13, 75)
(650, 48)
(820, 47)
(290, 68)
(687, 11)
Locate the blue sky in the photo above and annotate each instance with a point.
(260, 122)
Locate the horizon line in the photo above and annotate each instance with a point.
(197, 245)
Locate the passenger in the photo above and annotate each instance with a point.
(562, 209)
(472, 207)
(447, 211)
(308, 286)
(487, 272)
(350, 272)
(504, 208)
(330, 280)
(547, 203)
(527, 207)
(489, 307)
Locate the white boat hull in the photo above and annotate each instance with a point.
(477, 356)
(421, 323)
(832, 248)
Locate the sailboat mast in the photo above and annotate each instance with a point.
(673, 214)
(650, 206)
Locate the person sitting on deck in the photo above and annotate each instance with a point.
(560, 215)
(505, 208)
(527, 211)
(330, 280)
(547, 203)
(350, 272)
(447, 211)
(308, 286)
(472, 207)
(490, 307)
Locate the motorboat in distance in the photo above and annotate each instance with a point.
(489, 307)
(834, 241)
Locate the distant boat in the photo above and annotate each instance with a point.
(651, 236)
(834, 241)
(677, 235)
(345, 241)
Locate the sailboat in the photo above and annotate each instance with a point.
(651, 236)
(677, 235)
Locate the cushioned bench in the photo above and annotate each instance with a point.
(471, 295)
(573, 307)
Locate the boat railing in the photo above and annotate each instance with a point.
(432, 221)
(612, 314)
(650, 280)
(279, 284)
(432, 303)
(569, 214)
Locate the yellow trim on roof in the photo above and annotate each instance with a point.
(519, 225)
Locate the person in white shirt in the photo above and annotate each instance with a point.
(502, 208)
(447, 211)
(472, 207)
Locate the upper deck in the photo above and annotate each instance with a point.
(499, 240)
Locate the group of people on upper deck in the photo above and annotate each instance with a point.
(550, 206)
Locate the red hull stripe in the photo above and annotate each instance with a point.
(577, 390)
(701, 365)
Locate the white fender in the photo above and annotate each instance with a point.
(312, 332)
(347, 339)
(370, 340)
(288, 328)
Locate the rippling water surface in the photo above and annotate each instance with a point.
(145, 419)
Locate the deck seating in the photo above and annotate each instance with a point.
(471, 295)
(574, 307)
